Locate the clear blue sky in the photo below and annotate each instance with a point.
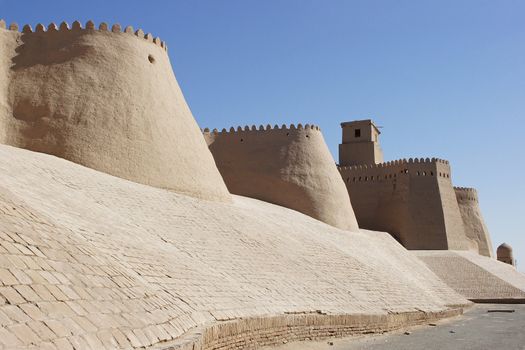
(444, 78)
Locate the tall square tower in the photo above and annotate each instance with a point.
(360, 143)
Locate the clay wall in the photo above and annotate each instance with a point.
(473, 222)
(7, 51)
(107, 99)
(409, 199)
(288, 166)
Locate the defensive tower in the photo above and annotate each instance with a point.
(288, 166)
(473, 222)
(107, 99)
(504, 254)
(413, 200)
(360, 143)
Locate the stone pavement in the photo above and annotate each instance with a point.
(477, 329)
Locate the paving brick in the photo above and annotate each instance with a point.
(11, 295)
(62, 344)
(27, 292)
(24, 334)
(7, 278)
(41, 330)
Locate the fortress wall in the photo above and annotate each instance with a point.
(405, 198)
(288, 166)
(112, 263)
(8, 45)
(106, 99)
(456, 236)
(474, 224)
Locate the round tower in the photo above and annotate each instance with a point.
(107, 99)
(287, 166)
(504, 253)
(475, 228)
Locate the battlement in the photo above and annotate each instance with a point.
(413, 167)
(266, 128)
(466, 193)
(90, 26)
(394, 163)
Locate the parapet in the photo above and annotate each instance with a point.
(107, 99)
(254, 128)
(466, 194)
(395, 163)
(90, 26)
(413, 167)
(289, 165)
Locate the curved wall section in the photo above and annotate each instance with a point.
(473, 222)
(291, 167)
(108, 100)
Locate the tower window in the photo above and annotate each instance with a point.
(357, 132)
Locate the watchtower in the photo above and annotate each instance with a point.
(360, 143)
(504, 254)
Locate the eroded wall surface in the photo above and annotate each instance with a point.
(474, 224)
(107, 100)
(413, 200)
(288, 166)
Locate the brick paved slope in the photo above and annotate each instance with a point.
(90, 260)
(477, 277)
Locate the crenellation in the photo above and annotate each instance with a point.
(52, 27)
(76, 26)
(116, 28)
(267, 128)
(90, 25)
(27, 29)
(466, 193)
